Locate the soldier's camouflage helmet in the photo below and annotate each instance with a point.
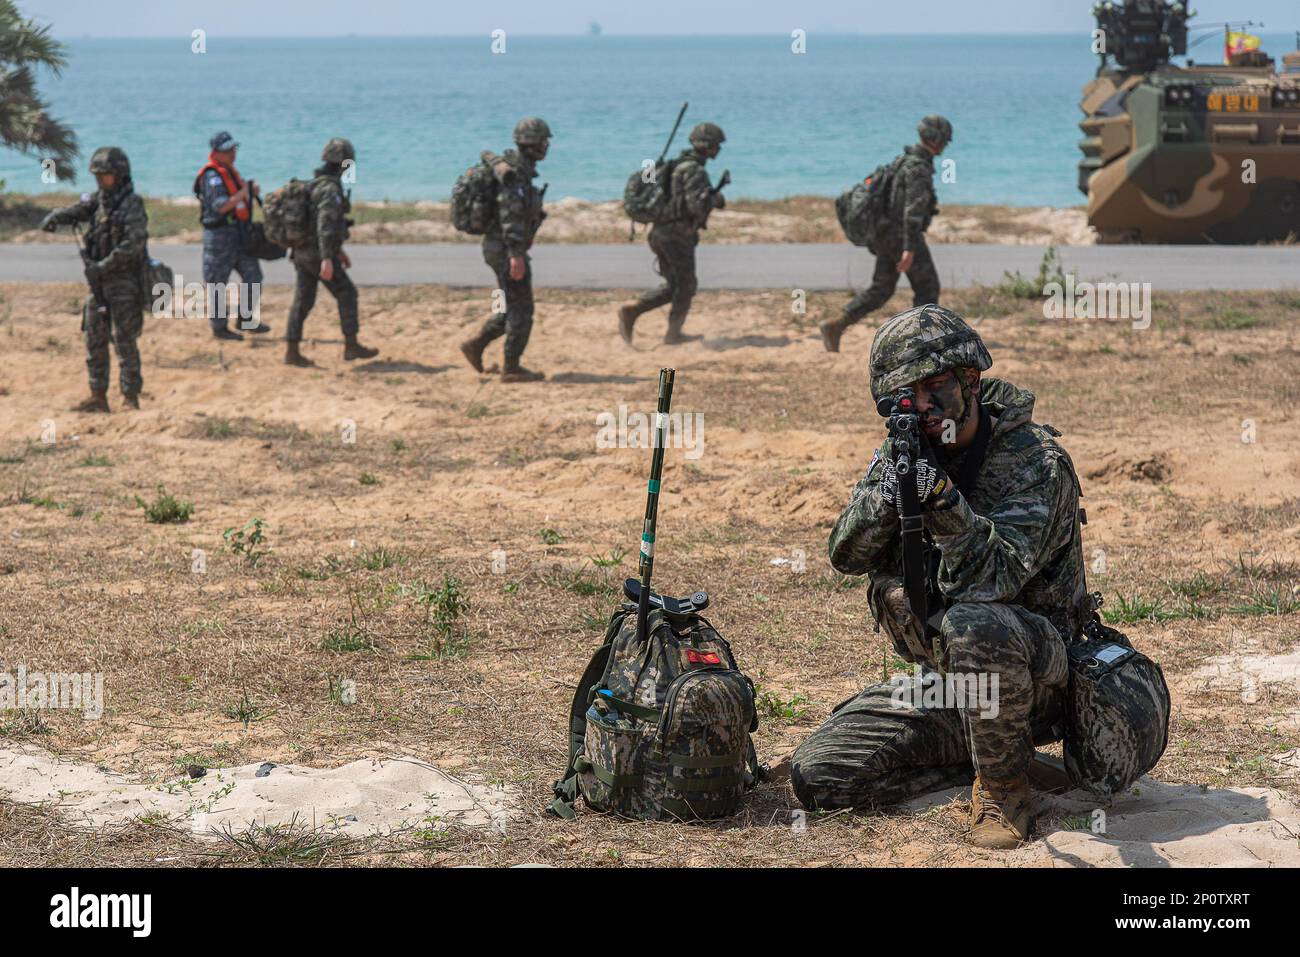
(338, 150)
(920, 343)
(935, 129)
(707, 134)
(110, 159)
(531, 131)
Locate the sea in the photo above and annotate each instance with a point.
(420, 109)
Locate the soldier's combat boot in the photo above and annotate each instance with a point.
(472, 350)
(292, 357)
(675, 336)
(512, 371)
(224, 333)
(132, 399)
(352, 349)
(831, 331)
(999, 812)
(98, 402)
(627, 316)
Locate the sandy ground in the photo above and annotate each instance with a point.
(799, 219)
(378, 481)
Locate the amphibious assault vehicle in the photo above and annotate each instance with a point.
(1187, 154)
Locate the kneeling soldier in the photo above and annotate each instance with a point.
(1000, 504)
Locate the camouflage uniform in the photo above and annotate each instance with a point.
(519, 216)
(330, 207)
(673, 242)
(1012, 591)
(225, 243)
(912, 206)
(117, 242)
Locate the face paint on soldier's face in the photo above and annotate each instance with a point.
(944, 402)
(105, 180)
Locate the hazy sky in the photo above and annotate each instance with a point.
(74, 18)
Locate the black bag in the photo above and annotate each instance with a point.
(1117, 713)
(863, 208)
(257, 243)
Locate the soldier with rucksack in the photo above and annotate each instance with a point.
(675, 232)
(889, 214)
(497, 199)
(310, 217)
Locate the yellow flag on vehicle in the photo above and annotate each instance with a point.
(1235, 43)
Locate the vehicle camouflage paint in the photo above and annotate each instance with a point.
(1192, 154)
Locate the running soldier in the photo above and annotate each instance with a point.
(903, 249)
(693, 198)
(519, 215)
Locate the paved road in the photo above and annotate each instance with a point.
(814, 266)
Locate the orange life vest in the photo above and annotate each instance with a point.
(233, 183)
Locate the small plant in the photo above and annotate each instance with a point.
(218, 428)
(1128, 610)
(244, 711)
(347, 638)
(95, 462)
(788, 711)
(550, 536)
(443, 608)
(165, 509)
(368, 479)
(248, 541)
(1021, 287)
(399, 445)
(615, 558)
(378, 559)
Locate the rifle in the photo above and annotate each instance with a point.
(899, 409)
(647, 560)
(668, 145)
(88, 260)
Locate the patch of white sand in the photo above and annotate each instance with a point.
(1235, 672)
(372, 796)
(1161, 825)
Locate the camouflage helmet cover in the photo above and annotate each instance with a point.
(707, 134)
(338, 150)
(531, 131)
(110, 159)
(920, 343)
(935, 128)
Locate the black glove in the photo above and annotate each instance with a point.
(719, 201)
(93, 273)
(49, 223)
(934, 489)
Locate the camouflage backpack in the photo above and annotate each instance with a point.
(660, 729)
(1117, 718)
(474, 199)
(649, 199)
(287, 212)
(863, 208)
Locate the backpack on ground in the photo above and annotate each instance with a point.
(660, 729)
(287, 213)
(648, 198)
(660, 723)
(474, 199)
(1117, 714)
(863, 208)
